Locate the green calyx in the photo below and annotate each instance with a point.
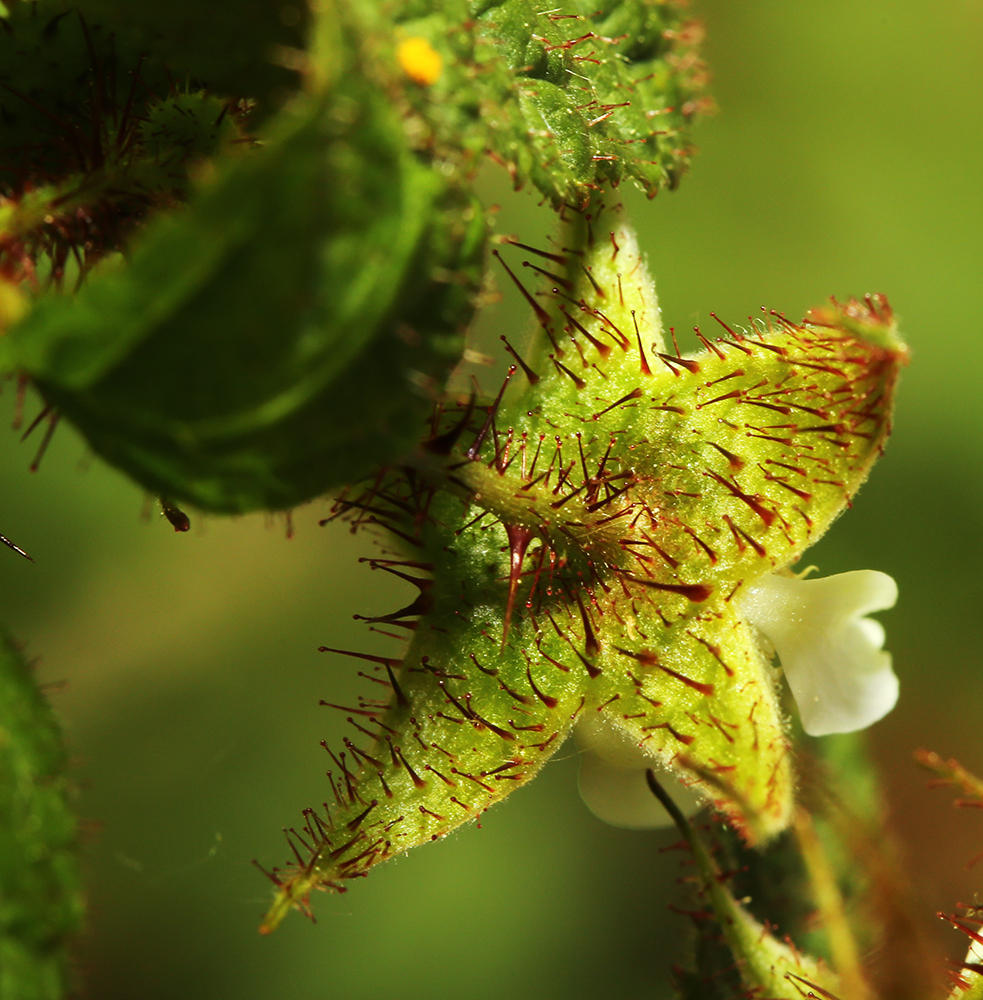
(579, 548)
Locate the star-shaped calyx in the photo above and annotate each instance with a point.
(580, 546)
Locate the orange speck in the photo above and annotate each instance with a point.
(419, 60)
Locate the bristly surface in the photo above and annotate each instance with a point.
(567, 97)
(577, 546)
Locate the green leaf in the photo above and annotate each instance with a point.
(40, 894)
(284, 333)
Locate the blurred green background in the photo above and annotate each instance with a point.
(846, 158)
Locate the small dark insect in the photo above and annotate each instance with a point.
(179, 520)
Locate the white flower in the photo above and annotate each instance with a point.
(840, 677)
(612, 780)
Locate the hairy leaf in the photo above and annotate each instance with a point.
(280, 336)
(40, 895)
(567, 97)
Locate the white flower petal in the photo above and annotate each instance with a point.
(874, 631)
(612, 780)
(841, 678)
(620, 796)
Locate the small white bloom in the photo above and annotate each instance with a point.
(612, 780)
(841, 678)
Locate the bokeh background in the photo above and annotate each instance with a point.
(847, 158)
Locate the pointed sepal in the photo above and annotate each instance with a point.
(582, 542)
